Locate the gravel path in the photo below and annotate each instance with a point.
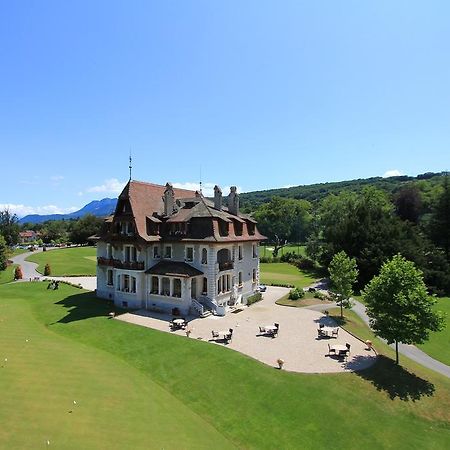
(297, 343)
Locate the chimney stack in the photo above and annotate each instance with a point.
(217, 197)
(233, 201)
(169, 200)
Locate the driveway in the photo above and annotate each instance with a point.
(297, 343)
(30, 273)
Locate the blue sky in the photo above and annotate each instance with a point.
(253, 93)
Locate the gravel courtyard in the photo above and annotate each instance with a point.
(297, 342)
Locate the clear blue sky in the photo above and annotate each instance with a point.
(259, 94)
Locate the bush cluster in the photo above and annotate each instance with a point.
(296, 294)
(254, 298)
(282, 285)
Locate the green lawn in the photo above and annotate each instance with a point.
(140, 388)
(18, 251)
(67, 261)
(7, 275)
(438, 346)
(267, 250)
(284, 273)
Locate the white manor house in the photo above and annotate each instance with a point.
(173, 250)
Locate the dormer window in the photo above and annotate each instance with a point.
(223, 228)
(251, 228)
(156, 254)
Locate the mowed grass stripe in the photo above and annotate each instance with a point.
(118, 406)
(67, 261)
(254, 405)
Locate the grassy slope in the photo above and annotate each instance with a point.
(118, 405)
(284, 273)
(7, 275)
(249, 403)
(438, 346)
(67, 261)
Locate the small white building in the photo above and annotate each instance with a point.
(173, 250)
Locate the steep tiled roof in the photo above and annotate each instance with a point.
(146, 199)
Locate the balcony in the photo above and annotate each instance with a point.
(225, 265)
(131, 265)
(117, 264)
(102, 261)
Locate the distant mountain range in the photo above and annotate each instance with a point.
(100, 208)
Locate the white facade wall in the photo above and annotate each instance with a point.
(144, 299)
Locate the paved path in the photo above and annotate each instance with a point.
(297, 343)
(410, 351)
(30, 273)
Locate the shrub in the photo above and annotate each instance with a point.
(304, 263)
(296, 294)
(47, 270)
(18, 275)
(282, 285)
(265, 259)
(254, 298)
(319, 295)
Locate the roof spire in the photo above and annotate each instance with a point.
(200, 179)
(130, 166)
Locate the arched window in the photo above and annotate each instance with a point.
(155, 285)
(204, 256)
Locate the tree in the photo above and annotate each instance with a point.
(9, 227)
(399, 306)
(47, 270)
(343, 275)
(440, 220)
(85, 227)
(408, 203)
(283, 220)
(3, 253)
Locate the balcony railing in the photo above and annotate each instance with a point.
(117, 264)
(102, 261)
(225, 265)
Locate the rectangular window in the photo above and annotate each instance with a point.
(205, 286)
(254, 276)
(133, 285)
(127, 254)
(110, 278)
(189, 254)
(168, 251)
(240, 279)
(254, 251)
(155, 285)
(177, 288)
(156, 252)
(126, 283)
(109, 253)
(133, 254)
(240, 252)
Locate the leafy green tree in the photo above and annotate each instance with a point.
(9, 227)
(343, 275)
(18, 275)
(3, 253)
(85, 227)
(283, 220)
(408, 203)
(399, 306)
(440, 220)
(55, 231)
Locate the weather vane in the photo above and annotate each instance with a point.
(130, 166)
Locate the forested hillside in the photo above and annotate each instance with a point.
(427, 183)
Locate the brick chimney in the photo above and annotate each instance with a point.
(233, 201)
(217, 197)
(169, 200)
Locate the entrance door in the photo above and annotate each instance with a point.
(194, 288)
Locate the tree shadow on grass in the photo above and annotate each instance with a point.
(396, 381)
(85, 306)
